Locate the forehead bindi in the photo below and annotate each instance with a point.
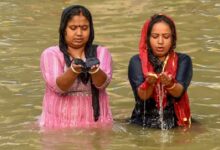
(161, 28)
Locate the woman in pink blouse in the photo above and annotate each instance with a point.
(76, 75)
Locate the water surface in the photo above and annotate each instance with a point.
(28, 27)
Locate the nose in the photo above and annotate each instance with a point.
(79, 31)
(160, 40)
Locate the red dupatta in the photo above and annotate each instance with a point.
(181, 107)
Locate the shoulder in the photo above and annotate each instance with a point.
(53, 50)
(135, 65)
(103, 51)
(184, 57)
(51, 54)
(135, 69)
(135, 60)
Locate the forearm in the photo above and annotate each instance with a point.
(145, 90)
(145, 94)
(176, 90)
(98, 78)
(65, 81)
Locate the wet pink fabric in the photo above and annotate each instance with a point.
(73, 108)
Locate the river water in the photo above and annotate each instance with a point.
(27, 27)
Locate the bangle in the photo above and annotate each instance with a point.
(93, 72)
(73, 69)
(171, 87)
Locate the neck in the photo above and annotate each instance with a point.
(76, 53)
(162, 58)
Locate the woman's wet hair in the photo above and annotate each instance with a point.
(68, 13)
(157, 64)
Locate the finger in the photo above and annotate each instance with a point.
(151, 80)
(78, 66)
(152, 75)
(170, 77)
(165, 73)
(93, 67)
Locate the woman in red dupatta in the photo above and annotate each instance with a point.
(159, 77)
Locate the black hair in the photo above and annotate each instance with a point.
(67, 14)
(157, 64)
(90, 50)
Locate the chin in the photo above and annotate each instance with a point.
(159, 54)
(77, 46)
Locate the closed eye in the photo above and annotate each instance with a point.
(154, 35)
(73, 27)
(84, 27)
(166, 35)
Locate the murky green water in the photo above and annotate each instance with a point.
(29, 26)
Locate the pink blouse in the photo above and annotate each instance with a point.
(74, 107)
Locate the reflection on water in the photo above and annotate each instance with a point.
(87, 139)
(26, 28)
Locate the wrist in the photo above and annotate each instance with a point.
(145, 85)
(95, 71)
(171, 85)
(74, 70)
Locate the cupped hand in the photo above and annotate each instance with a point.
(165, 78)
(78, 68)
(151, 78)
(94, 67)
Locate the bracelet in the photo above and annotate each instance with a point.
(171, 87)
(73, 69)
(93, 72)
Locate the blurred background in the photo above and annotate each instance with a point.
(27, 27)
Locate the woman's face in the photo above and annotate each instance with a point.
(160, 39)
(77, 32)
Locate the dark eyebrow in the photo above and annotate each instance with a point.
(158, 33)
(78, 25)
(166, 33)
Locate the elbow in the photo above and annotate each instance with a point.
(55, 88)
(104, 84)
(60, 87)
(178, 91)
(142, 95)
(143, 98)
(178, 96)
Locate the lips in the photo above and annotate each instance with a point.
(160, 49)
(78, 40)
